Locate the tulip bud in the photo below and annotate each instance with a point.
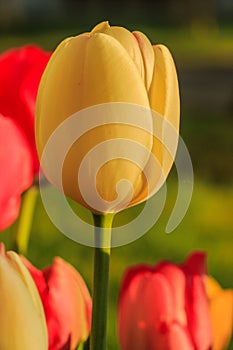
(22, 317)
(164, 307)
(66, 301)
(221, 313)
(109, 65)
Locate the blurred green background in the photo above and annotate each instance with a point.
(200, 37)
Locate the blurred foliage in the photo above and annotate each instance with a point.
(32, 14)
(191, 47)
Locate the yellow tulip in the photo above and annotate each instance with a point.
(22, 319)
(221, 313)
(108, 65)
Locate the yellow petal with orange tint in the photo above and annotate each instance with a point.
(147, 53)
(221, 313)
(129, 42)
(165, 101)
(212, 287)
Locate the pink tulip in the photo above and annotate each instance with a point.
(20, 73)
(165, 307)
(67, 304)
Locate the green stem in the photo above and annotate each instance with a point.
(103, 225)
(25, 220)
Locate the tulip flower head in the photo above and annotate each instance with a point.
(67, 303)
(22, 317)
(20, 73)
(165, 307)
(101, 89)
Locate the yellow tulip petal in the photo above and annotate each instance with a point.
(212, 287)
(129, 42)
(20, 323)
(147, 53)
(164, 92)
(87, 71)
(59, 95)
(110, 77)
(17, 263)
(140, 50)
(110, 74)
(100, 27)
(164, 99)
(221, 314)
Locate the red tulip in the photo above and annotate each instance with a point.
(20, 73)
(165, 307)
(16, 173)
(67, 304)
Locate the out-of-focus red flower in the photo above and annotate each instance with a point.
(16, 169)
(67, 304)
(165, 307)
(20, 73)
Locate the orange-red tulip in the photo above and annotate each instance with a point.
(66, 301)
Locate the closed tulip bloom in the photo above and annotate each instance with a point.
(221, 313)
(22, 319)
(165, 307)
(109, 65)
(67, 304)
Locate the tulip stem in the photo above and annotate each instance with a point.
(25, 220)
(103, 225)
